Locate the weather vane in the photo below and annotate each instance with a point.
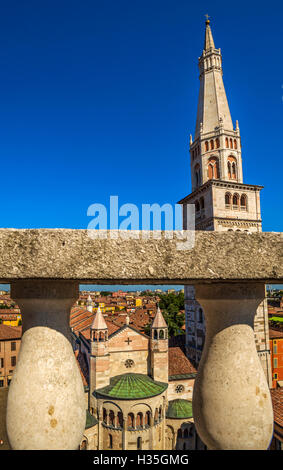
(207, 17)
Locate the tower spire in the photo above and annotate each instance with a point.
(208, 40)
(216, 147)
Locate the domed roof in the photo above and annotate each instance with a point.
(179, 409)
(131, 387)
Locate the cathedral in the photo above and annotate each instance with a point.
(138, 389)
(222, 201)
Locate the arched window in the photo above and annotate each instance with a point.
(155, 334)
(226, 143)
(210, 171)
(228, 200)
(111, 418)
(83, 445)
(120, 419)
(231, 143)
(232, 167)
(110, 441)
(139, 419)
(213, 168)
(161, 334)
(104, 415)
(197, 206)
(235, 144)
(217, 142)
(234, 173)
(139, 443)
(206, 146)
(197, 174)
(130, 420)
(156, 416)
(211, 145)
(147, 418)
(200, 315)
(236, 200)
(201, 203)
(243, 202)
(229, 169)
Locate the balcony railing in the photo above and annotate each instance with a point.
(231, 402)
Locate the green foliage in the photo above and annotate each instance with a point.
(170, 305)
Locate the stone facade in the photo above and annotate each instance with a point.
(222, 201)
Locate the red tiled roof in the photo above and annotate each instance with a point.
(277, 403)
(179, 364)
(273, 334)
(83, 367)
(10, 332)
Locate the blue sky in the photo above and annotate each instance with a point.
(98, 98)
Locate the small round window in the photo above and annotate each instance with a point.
(129, 363)
(179, 388)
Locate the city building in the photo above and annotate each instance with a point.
(223, 202)
(10, 340)
(276, 348)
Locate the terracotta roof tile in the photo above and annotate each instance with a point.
(275, 333)
(83, 367)
(277, 403)
(10, 332)
(179, 364)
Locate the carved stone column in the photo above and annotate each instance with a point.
(231, 401)
(46, 406)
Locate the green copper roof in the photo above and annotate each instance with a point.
(179, 408)
(131, 387)
(90, 420)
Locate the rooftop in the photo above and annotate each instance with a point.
(10, 332)
(179, 409)
(132, 387)
(277, 403)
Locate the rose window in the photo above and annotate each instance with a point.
(129, 363)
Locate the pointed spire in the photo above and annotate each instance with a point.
(159, 321)
(98, 321)
(208, 40)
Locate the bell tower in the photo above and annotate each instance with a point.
(216, 148)
(99, 355)
(223, 202)
(159, 348)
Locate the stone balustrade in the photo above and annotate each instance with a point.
(231, 401)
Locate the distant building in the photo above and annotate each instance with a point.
(10, 340)
(276, 348)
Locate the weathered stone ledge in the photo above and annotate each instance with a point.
(72, 255)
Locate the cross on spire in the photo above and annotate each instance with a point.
(207, 18)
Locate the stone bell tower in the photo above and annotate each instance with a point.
(159, 348)
(222, 201)
(99, 355)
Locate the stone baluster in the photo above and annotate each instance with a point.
(46, 406)
(231, 401)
